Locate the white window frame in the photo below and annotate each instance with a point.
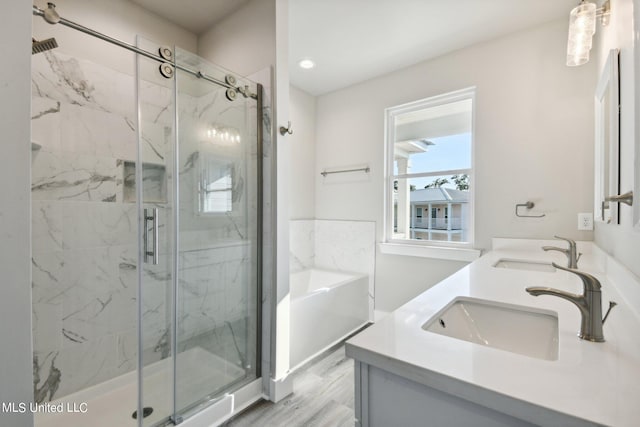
(462, 251)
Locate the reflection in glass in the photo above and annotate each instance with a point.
(216, 185)
(218, 237)
(607, 141)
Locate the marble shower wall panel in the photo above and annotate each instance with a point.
(215, 262)
(302, 244)
(70, 176)
(348, 246)
(45, 126)
(63, 78)
(84, 236)
(46, 226)
(214, 289)
(334, 245)
(197, 116)
(345, 246)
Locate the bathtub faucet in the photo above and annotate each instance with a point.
(589, 303)
(570, 252)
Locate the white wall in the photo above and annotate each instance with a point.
(622, 241)
(302, 109)
(534, 141)
(245, 41)
(15, 212)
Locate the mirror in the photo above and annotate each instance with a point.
(607, 141)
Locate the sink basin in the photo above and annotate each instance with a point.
(517, 264)
(522, 330)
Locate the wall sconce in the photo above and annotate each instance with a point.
(223, 135)
(582, 27)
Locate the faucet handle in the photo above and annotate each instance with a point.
(590, 283)
(611, 305)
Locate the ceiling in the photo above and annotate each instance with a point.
(355, 40)
(196, 16)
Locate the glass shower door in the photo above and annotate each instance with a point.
(198, 191)
(150, 181)
(217, 305)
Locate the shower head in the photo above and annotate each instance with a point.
(43, 45)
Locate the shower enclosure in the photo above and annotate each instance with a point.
(146, 203)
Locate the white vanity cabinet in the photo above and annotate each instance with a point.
(387, 399)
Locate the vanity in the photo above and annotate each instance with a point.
(477, 349)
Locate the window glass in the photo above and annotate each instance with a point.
(430, 146)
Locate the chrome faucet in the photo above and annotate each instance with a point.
(571, 252)
(589, 303)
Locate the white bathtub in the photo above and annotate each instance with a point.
(326, 306)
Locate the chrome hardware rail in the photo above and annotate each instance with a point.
(365, 170)
(46, 15)
(151, 216)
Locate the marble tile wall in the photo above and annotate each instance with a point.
(84, 235)
(84, 258)
(302, 241)
(345, 245)
(217, 280)
(334, 245)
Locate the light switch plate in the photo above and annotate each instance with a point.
(585, 221)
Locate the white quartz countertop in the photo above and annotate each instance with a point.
(589, 383)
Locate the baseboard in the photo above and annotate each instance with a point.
(281, 388)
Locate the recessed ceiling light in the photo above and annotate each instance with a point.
(306, 64)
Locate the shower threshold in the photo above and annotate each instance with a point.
(112, 403)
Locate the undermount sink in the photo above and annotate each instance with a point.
(518, 264)
(523, 330)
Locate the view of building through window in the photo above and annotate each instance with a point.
(431, 152)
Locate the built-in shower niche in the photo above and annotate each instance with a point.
(154, 180)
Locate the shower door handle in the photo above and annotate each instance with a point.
(151, 216)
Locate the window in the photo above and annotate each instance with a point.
(216, 185)
(429, 186)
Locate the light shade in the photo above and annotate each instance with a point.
(582, 27)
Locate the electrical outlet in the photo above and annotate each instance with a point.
(585, 221)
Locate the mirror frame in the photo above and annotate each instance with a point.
(636, 119)
(608, 85)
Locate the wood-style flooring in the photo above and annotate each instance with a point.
(323, 396)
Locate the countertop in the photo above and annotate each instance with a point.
(590, 383)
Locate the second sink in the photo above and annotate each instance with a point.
(522, 330)
(517, 264)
